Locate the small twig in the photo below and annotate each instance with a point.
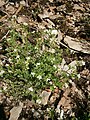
(5, 35)
(1, 19)
(63, 44)
(5, 12)
(19, 9)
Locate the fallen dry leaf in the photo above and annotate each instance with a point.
(77, 7)
(45, 14)
(10, 9)
(78, 45)
(2, 3)
(65, 101)
(22, 19)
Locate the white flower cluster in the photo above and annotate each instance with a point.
(27, 62)
(30, 89)
(33, 74)
(39, 77)
(37, 64)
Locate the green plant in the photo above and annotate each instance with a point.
(31, 67)
(28, 65)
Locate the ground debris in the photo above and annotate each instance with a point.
(69, 22)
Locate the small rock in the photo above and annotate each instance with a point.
(15, 112)
(45, 96)
(36, 114)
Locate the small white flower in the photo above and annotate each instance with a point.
(52, 50)
(48, 109)
(30, 89)
(37, 64)
(15, 50)
(38, 101)
(45, 30)
(36, 48)
(33, 31)
(26, 24)
(55, 66)
(62, 114)
(66, 85)
(28, 58)
(55, 87)
(72, 51)
(78, 75)
(2, 72)
(39, 77)
(17, 57)
(33, 110)
(10, 60)
(7, 65)
(50, 83)
(14, 16)
(48, 79)
(33, 74)
(83, 63)
(27, 68)
(5, 87)
(9, 71)
(55, 32)
(58, 109)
